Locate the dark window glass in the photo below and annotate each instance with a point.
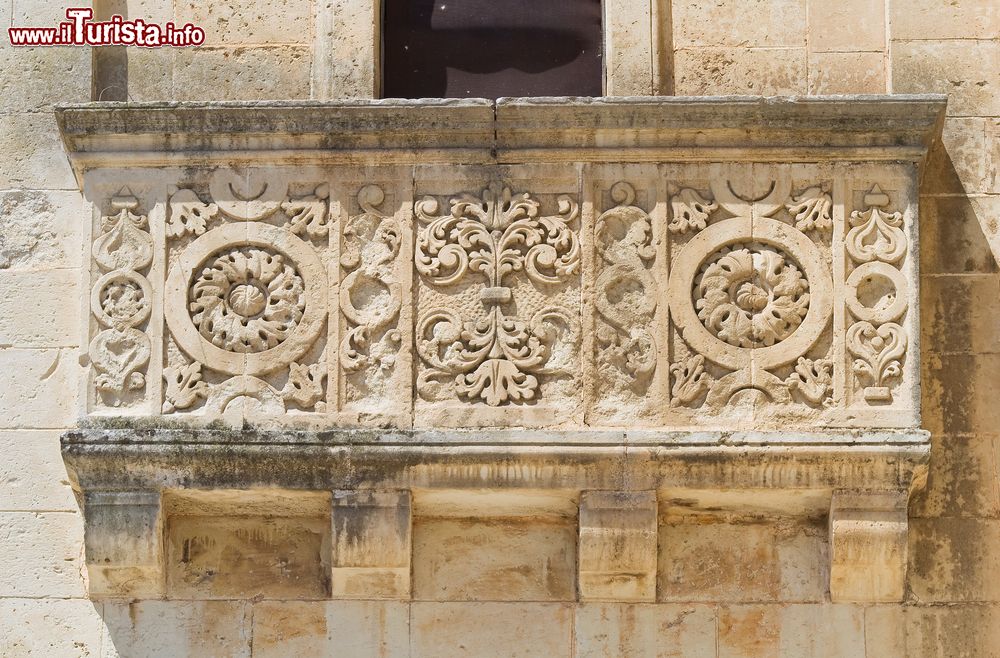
(491, 48)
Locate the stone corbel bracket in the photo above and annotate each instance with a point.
(347, 286)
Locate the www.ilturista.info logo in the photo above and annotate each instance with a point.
(79, 30)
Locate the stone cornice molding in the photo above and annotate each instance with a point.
(507, 131)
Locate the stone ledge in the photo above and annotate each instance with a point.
(510, 130)
(144, 459)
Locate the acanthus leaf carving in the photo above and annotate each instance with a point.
(879, 351)
(189, 214)
(751, 296)
(812, 379)
(118, 355)
(305, 385)
(689, 211)
(690, 380)
(184, 386)
(494, 358)
(812, 210)
(876, 244)
(121, 300)
(125, 243)
(309, 214)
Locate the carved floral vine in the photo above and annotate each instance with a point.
(495, 358)
(625, 242)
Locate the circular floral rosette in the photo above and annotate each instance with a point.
(246, 298)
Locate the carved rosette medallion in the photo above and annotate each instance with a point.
(246, 299)
(750, 293)
(495, 355)
(876, 296)
(121, 301)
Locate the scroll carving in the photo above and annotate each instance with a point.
(625, 293)
(498, 356)
(370, 294)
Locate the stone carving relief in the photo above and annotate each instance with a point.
(121, 301)
(245, 297)
(306, 295)
(625, 293)
(371, 298)
(876, 295)
(495, 354)
(751, 293)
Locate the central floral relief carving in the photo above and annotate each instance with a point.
(751, 296)
(247, 299)
(498, 356)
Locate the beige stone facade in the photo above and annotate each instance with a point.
(649, 375)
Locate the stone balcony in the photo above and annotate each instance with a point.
(604, 309)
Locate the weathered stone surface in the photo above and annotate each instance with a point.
(123, 544)
(43, 395)
(846, 73)
(645, 631)
(951, 560)
(51, 294)
(962, 478)
(966, 70)
(953, 241)
(70, 66)
(247, 22)
(959, 313)
(35, 157)
(361, 629)
(928, 19)
(234, 557)
(494, 559)
(184, 628)
(371, 543)
(42, 555)
(742, 562)
(956, 164)
(960, 393)
(446, 630)
(850, 26)
(729, 70)
(868, 547)
(41, 229)
(803, 630)
(742, 23)
(272, 72)
(41, 627)
(32, 474)
(617, 551)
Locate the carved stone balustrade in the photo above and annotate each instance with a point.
(697, 302)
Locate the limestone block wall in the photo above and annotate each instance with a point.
(741, 585)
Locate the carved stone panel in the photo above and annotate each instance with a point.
(498, 259)
(246, 294)
(657, 295)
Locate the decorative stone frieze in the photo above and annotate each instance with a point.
(381, 296)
